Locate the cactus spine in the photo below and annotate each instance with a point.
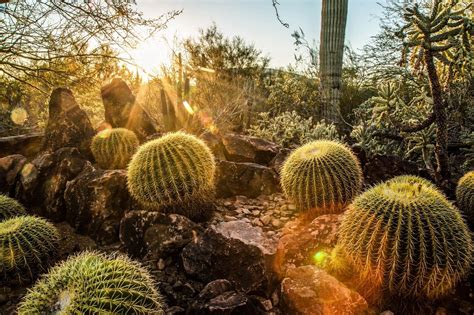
(10, 208)
(321, 176)
(27, 244)
(113, 148)
(406, 239)
(176, 169)
(93, 283)
(465, 195)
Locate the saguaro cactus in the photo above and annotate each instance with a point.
(331, 51)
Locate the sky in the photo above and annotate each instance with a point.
(253, 20)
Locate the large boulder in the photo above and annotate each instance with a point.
(10, 167)
(42, 182)
(68, 125)
(308, 290)
(156, 233)
(302, 243)
(95, 202)
(214, 142)
(247, 179)
(236, 251)
(121, 110)
(242, 148)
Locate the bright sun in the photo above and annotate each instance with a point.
(149, 56)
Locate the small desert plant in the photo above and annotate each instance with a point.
(93, 283)
(465, 195)
(321, 176)
(174, 170)
(27, 244)
(290, 129)
(10, 208)
(405, 239)
(113, 148)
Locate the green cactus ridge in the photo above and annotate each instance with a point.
(465, 195)
(407, 239)
(176, 169)
(10, 208)
(93, 283)
(113, 148)
(27, 244)
(321, 176)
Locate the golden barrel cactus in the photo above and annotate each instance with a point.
(113, 148)
(404, 238)
(175, 170)
(465, 195)
(93, 283)
(9, 208)
(321, 176)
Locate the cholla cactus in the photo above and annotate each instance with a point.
(176, 169)
(113, 148)
(93, 283)
(27, 244)
(465, 195)
(406, 239)
(10, 208)
(321, 176)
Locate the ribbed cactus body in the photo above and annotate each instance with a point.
(331, 52)
(465, 195)
(27, 244)
(406, 239)
(92, 283)
(321, 176)
(10, 208)
(176, 169)
(113, 148)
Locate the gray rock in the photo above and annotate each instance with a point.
(68, 125)
(246, 179)
(155, 233)
(236, 251)
(96, 200)
(242, 148)
(10, 167)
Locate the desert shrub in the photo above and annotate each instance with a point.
(290, 129)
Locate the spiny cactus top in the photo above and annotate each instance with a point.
(10, 208)
(93, 283)
(411, 179)
(407, 239)
(177, 168)
(27, 244)
(113, 148)
(465, 194)
(321, 176)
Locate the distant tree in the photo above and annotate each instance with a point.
(226, 76)
(36, 34)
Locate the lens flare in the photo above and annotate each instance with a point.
(19, 116)
(320, 258)
(188, 107)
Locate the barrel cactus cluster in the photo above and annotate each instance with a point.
(175, 170)
(28, 244)
(465, 195)
(404, 238)
(321, 177)
(93, 283)
(113, 148)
